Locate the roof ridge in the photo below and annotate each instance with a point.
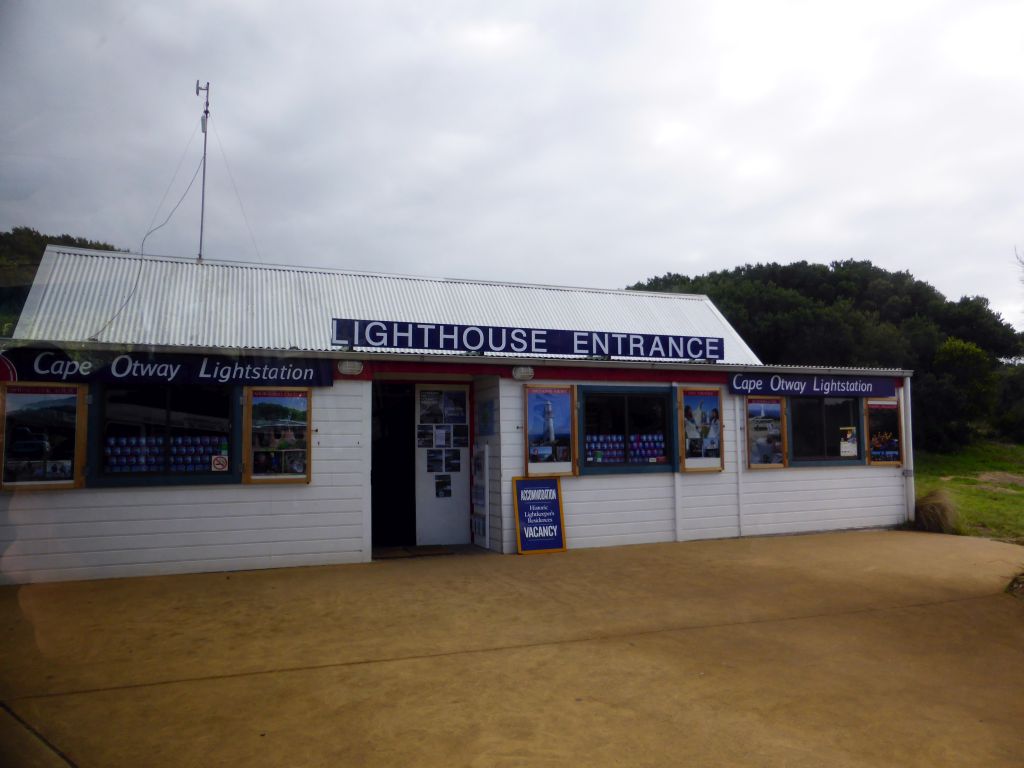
(190, 261)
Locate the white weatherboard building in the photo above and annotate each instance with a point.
(167, 416)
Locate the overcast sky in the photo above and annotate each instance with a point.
(577, 143)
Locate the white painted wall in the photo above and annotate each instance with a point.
(102, 533)
(801, 499)
(109, 532)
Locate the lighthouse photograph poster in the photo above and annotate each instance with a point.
(549, 420)
(700, 411)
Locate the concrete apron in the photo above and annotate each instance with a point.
(851, 649)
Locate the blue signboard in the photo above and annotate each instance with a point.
(540, 524)
(483, 339)
(818, 385)
(28, 364)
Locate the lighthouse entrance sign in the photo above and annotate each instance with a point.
(355, 334)
(549, 429)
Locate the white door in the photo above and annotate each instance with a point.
(442, 464)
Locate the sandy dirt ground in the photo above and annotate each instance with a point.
(874, 648)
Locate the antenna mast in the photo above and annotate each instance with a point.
(202, 205)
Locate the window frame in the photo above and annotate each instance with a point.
(783, 430)
(858, 418)
(81, 437)
(95, 477)
(681, 428)
(247, 452)
(888, 403)
(671, 425)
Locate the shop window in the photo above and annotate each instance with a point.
(766, 432)
(167, 432)
(825, 428)
(884, 432)
(627, 431)
(44, 430)
(277, 435)
(700, 432)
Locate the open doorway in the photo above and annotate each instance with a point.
(393, 468)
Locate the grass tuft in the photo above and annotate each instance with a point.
(1016, 587)
(985, 482)
(936, 512)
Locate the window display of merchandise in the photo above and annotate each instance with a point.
(180, 453)
(647, 449)
(605, 449)
(821, 428)
(626, 428)
(177, 431)
(614, 449)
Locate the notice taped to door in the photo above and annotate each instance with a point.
(540, 522)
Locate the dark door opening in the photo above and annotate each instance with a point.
(393, 468)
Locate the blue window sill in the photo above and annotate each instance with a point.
(827, 462)
(626, 469)
(143, 480)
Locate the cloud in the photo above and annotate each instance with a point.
(573, 143)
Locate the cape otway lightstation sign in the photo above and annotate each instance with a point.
(28, 364)
(483, 339)
(811, 386)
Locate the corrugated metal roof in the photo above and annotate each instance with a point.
(101, 296)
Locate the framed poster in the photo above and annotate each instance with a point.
(766, 432)
(550, 436)
(883, 422)
(700, 415)
(42, 442)
(540, 521)
(277, 430)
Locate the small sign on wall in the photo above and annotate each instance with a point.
(848, 442)
(540, 522)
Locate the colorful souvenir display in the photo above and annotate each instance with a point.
(605, 449)
(180, 453)
(612, 449)
(647, 449)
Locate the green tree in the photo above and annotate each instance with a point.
(852, 313)
(1009, 410)
(20, 252)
